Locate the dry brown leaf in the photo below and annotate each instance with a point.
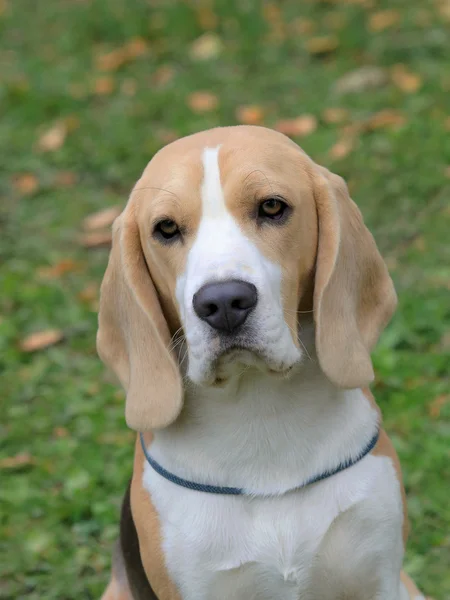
(163, 75)
(102, 218)
(383, 19)
(201, 102)
(385, 118)
(77, 90)
(166, 136)
(129, 87)
(447, 171)
(303, 26)
(59, 269)
(435, 407)
(66, 179)
(19, 460)
(321, 45)
(206, 47)
(335, 20)
(111, 61)
(89, 294)
(52, 139)
(335, 116)
(444, 9)
(41, 339)
(26, 183)
(96, 239)
(60, 432)
(423, 18)
(342, 148)
(362, 79)
(251, 114)
(104, 86)
(301, 126)
(405, 80)
(206, 17)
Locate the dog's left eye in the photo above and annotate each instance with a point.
(166, 230)
(272, 208)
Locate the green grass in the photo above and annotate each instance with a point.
(59, 511)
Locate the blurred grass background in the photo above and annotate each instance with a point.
(90, 89)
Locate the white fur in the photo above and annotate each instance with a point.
(220, 252)
(339, 538)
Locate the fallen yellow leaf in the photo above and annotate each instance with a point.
(251, 114)
(163, 75)
(342, 148)
(41, 339)
(52, 139)
(303, 26)
(104, 86)
(60, 268)
(26, 183)
(129, 86)
(301, 126)
(201, 102)
(385, 118)
(335, 116)
(111, 61)
(405, 80)
(66, 179)
(89, 294)
(206, 47)
(95, 239)
(60, 432)
(437, 404)
(206, 17)
(383, 19)
(321, 45)
(19, 460)
(102, 218)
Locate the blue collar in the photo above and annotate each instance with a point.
(232, 491)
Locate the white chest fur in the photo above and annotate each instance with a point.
(268, 437)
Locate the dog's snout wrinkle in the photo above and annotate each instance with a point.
(225, 305)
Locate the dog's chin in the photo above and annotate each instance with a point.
(236, 361)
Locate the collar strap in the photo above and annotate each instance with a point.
(232, 491)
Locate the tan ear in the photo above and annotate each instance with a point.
(133, 335)
(354, 297)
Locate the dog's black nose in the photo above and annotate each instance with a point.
(225, 305)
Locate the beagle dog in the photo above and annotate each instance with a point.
(241, 302)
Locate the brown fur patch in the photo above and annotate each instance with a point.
(147, 524)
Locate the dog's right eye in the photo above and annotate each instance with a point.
(166, 230)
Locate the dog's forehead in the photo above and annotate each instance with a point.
(242, 148)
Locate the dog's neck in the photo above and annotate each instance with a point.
(264, 434)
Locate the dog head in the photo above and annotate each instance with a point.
(227, 238)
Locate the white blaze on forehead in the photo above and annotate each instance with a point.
(213, 202)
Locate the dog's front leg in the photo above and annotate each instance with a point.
(361, 555)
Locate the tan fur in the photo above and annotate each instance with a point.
(133, 335)
(329, 262)
(354, 297)
(146, 520)
(353, 293)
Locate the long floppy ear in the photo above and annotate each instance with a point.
(133, 335)
(354, 297)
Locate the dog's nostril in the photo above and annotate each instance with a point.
(211, 309)
(225, 305)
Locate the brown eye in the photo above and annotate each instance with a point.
(272, 208)
(166, 230)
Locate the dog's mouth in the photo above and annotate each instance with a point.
(237, 359)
